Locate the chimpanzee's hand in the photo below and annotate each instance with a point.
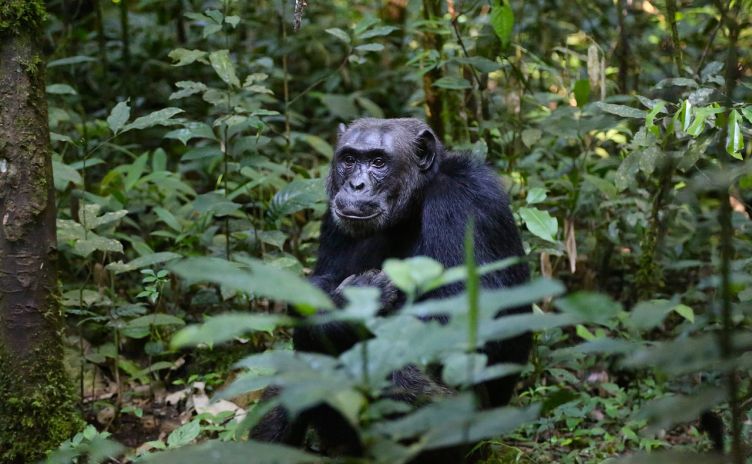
(373, 278)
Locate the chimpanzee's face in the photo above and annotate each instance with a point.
(377, 168)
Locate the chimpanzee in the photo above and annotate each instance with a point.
(395, 193)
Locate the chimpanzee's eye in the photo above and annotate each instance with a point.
(378, 162)
(349, 160)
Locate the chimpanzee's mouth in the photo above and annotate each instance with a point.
(356, 217)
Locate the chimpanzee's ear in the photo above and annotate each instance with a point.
(426, 149)
(341, 130)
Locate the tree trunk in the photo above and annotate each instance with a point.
(37, 405)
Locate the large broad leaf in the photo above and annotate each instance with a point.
(216, 452)
(687, 355)
(162, 117)
(591, 307)
(650, 314)
(490, 301)
(502, 20)
(413, 273)
(224, 67)
(455, 421)
(225, 327)
(297, 196)
(540, 223)
(94, 242)
(665, 412)
(263, 280)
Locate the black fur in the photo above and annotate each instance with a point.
(426, 196)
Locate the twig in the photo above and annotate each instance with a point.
(671, 16)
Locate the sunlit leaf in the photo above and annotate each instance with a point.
(224, 67)
(225, 327)
(540, 223)
(734, 138)
(502, 20)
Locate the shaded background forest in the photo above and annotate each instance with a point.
(621, 130)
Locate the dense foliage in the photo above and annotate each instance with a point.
(191, 139)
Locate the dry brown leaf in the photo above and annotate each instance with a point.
(570, 244)
(545, 265)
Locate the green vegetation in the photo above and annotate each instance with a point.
(191, 140)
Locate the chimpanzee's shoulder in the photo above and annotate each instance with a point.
(463, 174)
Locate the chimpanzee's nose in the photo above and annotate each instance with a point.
(357, 185)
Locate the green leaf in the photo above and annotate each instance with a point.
(65, 175)
(263, 280)
(621, 110)
(226, 327)
(70, 60)
(119, 116)
(224, 67)
(535, 195)
(168, 218)
(671, 457)
(232, 20)
(143, 261)
(184, 434)
(648, 315)
(234, 453)
(747, 113)
(592, 307)
(296, 196)
(684, 115)
(530, 136)
(451, 82)
(502, 20)
(604, 186)
(480, 63)
(184, 57)
(320, 145)
(341, 106)
(376, 32)
(192, 130)
(540, 223)
(411, 274)
(187, 88)
(61, 89)
(370, 47)
(157, 319)
(677, 82)
(663, 413)
(685, 311)
(659, 107)
(94, 242)
(135, 170)
(582, 92)
(161, 117)
(340, 34)
(734, 138)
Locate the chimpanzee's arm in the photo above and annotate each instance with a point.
(342, 260)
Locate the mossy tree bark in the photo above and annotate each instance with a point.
(37, 403)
